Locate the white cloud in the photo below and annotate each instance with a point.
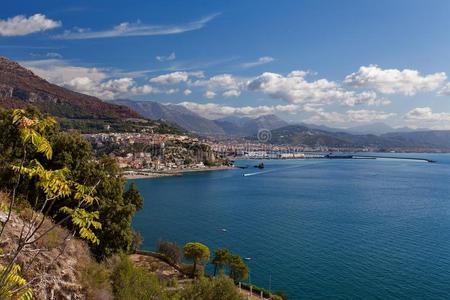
(171, 78)
(53, 55)
(426, 114)
(213, 110)
(349, 117)
(209, 94)
(425, 117)
(169, 57)
(91, 81)
(226, 84)
(294, 88)
(21, 25)
(393, 81)
(261, 61)
(445, 91)
(136, 29)
(187, 92)
(175, 77)
(231, 93)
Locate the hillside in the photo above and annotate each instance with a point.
(20, 87)
(419, 141)
(175, 114)
(179, 115)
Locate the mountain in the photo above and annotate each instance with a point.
(245, 126)
(373, 128)
(191, 121)
(20, 87)
(176, 114)
(436, 140)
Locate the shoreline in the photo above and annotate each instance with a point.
(143, 174)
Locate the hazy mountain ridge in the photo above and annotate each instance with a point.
(302, 135)
(191, 121)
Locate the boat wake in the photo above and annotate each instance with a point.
(280, 169)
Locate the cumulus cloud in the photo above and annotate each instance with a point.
(426, 114)
(175, 77)
(445, 90)
(350, 116)
(425, 117)
(21, 25)
(231, 93)
(213, 110)
(261, 61)
(91, 81)
(169, 57)
(226, 84)
(209, 94)
(126, 29)
(393, 81)
(294, 88)
(187, 92)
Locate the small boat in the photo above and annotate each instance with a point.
(224, 230)
(247, 258)
(260, 166)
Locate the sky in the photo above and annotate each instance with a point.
(338, 63)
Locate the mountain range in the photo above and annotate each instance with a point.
(435, 140)
(232, 126)
(20, 87)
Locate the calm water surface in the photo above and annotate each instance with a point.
(316, 229)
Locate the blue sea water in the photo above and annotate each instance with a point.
(317, 229)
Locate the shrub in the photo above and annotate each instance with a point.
(220, 287)
(171, 250)
(131, 282)
(95, 279)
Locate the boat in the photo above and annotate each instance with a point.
(260, 166)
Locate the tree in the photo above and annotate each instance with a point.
(71, 151)
(221, 256)
(197, 252)
(238, 269)
(171, 250)
(133, 196)
(49, 187)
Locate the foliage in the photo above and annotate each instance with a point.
(211, 289)
(171, 250)
(73, 152)
(131, 282)
(95, 278)
(14, 286)
(197, 252)
(134, 197)
(266, 293)
(238, 268)
(221, 257)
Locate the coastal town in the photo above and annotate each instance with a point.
(148, 154)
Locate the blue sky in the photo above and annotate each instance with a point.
(340, 63)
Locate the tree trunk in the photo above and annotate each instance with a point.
(215, 270)
(194, 268)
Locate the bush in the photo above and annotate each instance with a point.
(131, 282)
(95, 279)
(171, 250)
(274, 296)
(215, 288)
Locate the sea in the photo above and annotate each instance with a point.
(316, 228)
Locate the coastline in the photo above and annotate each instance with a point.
(143, 174)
